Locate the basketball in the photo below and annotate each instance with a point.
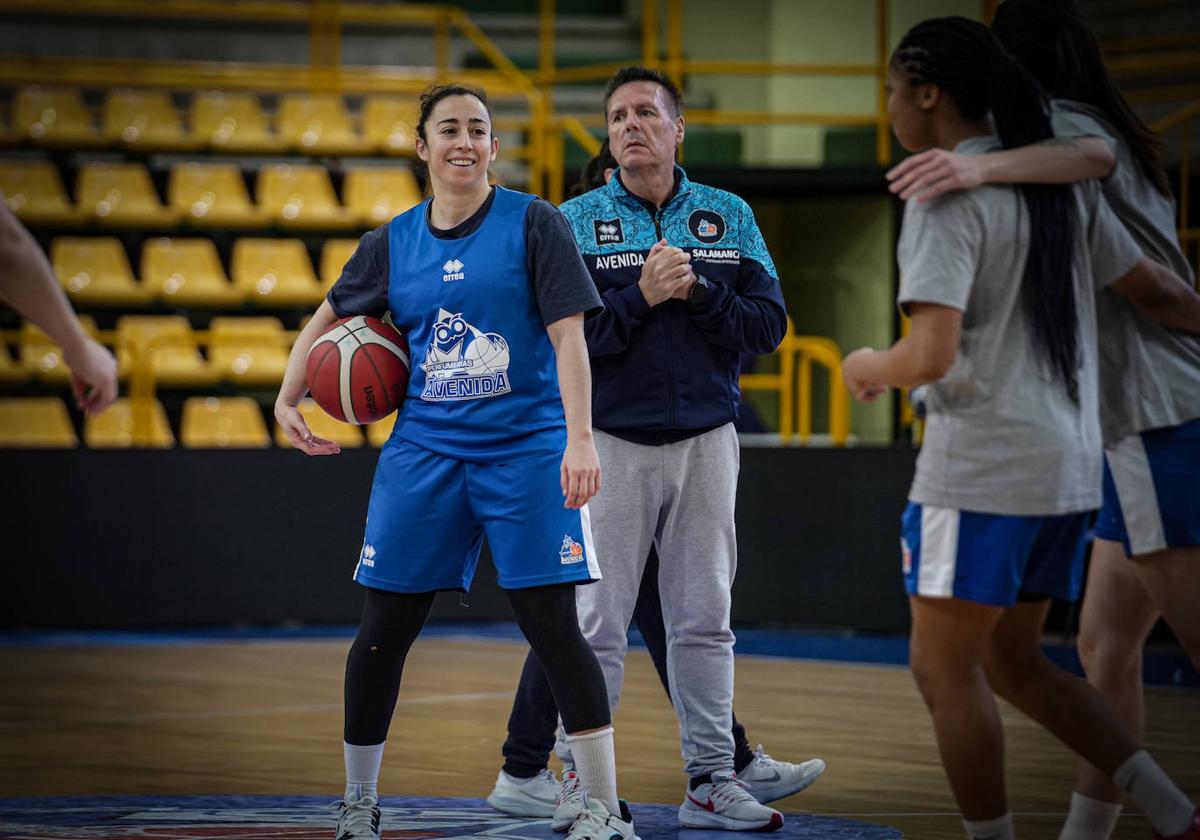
(358, 369)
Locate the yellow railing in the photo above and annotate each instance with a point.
(1184, 119)
(677, 67)
(793, 384)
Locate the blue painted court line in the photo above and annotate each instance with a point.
(1169, 668)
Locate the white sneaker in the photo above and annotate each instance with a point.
(768, 779)
(725, 803)
(536, 797)
(570, 802)
(596, 822)
(358, 819)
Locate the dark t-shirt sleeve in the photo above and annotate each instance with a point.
(362, 288)
(561, 282)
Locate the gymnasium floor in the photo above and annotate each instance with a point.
(238, 715)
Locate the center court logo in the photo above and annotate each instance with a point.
(571, 551)
(463, 363)
(454, 271)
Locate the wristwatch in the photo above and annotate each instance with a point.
(699, 290)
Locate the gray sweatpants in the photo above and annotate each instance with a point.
(680, 497)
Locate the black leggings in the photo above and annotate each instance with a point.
(391, 621)
(534, 718)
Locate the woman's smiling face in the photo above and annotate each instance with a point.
(458, 144)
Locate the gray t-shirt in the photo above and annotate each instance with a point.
(1149, 374)
(1001, 434)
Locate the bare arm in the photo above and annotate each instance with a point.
(295, 386)
(28, 285)
(924, 355)
(1058, 161)
(580, 463)
(1161, 294)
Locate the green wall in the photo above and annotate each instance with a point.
(834, 257)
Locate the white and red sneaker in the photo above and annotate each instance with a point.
(725, 803)
(570, 802)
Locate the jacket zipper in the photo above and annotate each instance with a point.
(657, 216)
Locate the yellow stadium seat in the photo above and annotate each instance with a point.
(334, 255)
(54, 117)
(11, 373)
(379, 431)
(212, 194)
(249, 351)
(232, 122)
(137, 422)
(95, 271)
(43, 359)
(318, 123)
(275, 272)
(144, 119)
(36, 422)
(122, 195)
(223, 423)
(390, 124)
(345, 435)
(376, 195)
(34, 192)
(186, 272)
(301, 196)
(169, 345)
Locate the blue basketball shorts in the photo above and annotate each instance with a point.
(428, 515)
(990, 558)
(1152, 490)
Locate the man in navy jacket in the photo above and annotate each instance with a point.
(687, 285)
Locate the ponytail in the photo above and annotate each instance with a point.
(964, 59)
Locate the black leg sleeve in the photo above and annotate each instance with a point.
(532, 724)
(547, 617)
(390, 623)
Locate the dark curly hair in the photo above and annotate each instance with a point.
(437, 93)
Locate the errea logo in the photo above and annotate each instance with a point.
(368, 555)
(608, 231)
(454, 271)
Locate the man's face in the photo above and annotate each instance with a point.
(643, 130)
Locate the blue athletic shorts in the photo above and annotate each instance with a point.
(1152, 490)
(990, 558)
(428, 515)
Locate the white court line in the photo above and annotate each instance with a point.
(212, 714)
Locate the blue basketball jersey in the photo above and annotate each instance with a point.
(484, 382)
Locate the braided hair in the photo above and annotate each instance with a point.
(965, 60)
(1052, 40)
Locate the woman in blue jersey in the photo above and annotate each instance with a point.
(494, 438)
(999, 283)
(1145, 560)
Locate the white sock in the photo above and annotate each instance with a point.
(1000, 828)
(596, 765)
(1166, 805)
(362, 770)
(1090, 819)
